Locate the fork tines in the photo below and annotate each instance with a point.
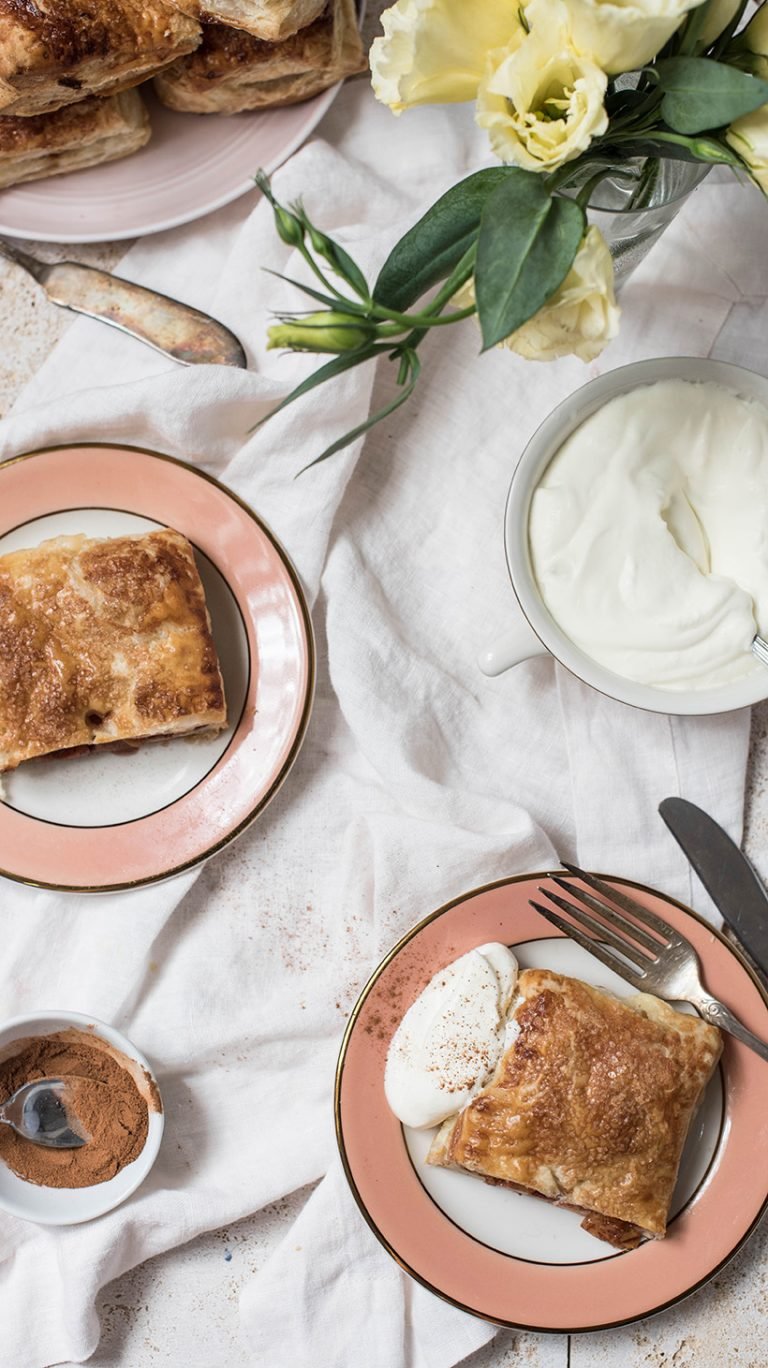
(666, 932)
(609, 926)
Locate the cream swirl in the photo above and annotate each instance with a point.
(450, 1040)
(648, 534)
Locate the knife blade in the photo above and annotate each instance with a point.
(731, 881)
(181, 332)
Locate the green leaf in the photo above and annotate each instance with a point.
(328, 371)
(348, 269)
(350, 437)
(332, 252)
(429, 251)
(528, 239)
(314, 294)
(700, 94)
(624, 102)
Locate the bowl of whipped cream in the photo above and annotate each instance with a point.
(636, 533)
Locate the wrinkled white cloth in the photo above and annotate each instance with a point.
(419, 777)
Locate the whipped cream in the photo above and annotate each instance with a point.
(648, 534)
(450, 1040)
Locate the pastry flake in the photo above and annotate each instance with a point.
(232, 72)
(589, 1106)
(72, 139)
(271, 20)
(104, 641)
(56, 52)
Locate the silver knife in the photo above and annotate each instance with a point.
(181, 332)
(733, 884)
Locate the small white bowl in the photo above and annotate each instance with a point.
(70, 1206)
(522, 643)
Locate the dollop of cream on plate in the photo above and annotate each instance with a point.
(648, 534)
(450, 1040)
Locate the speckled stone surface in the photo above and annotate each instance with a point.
(29, 325)
(182, 1309)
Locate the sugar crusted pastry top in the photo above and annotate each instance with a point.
(590, 1104)
(54, 52)
(224, 50)
(233, 70)
(101, 641)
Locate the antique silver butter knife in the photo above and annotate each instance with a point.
(181, 332)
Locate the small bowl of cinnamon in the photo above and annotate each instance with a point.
(118, 1104)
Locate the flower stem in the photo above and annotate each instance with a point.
(641, 195)
(459, 276)
(585, 193)
(400, 322)
(561, 177)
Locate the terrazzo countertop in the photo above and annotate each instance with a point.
(181, 1309)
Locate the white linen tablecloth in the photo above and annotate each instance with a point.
(419, 778)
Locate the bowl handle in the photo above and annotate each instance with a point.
(516, 645)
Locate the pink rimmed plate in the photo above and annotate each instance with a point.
(193, 164)
(103, 821)
(514, 1259)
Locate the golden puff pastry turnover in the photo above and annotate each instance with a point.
(71, 139)
(589, 1106)
(231, 72)
(271, 20)
(56, 52)
(104, 641)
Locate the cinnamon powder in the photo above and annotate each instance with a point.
(106, 1099)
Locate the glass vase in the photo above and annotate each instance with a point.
(632, 207)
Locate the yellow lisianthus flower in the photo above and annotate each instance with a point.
(749, 137)
(434, 51)
(619, 35)
(542, 102)
(581, 317)
(751, 44)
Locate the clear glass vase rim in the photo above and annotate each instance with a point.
(699, 170)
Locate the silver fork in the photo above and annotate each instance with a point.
(760, 649)
(661, 960)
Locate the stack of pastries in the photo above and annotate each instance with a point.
(69, 69)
